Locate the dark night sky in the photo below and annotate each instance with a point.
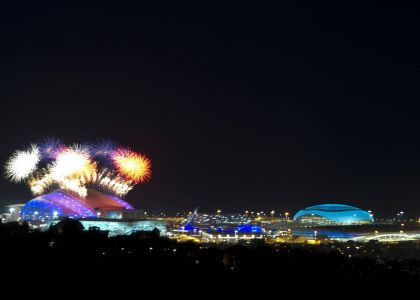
(241, 107)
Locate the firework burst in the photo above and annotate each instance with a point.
(41, 182)
(71, 161)
(103, 149)
(23, 163)
(133, 166)
(78, 167)
(50, 147)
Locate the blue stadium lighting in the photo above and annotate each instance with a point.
(246, 228)
(331, 214)
(62, 204)
(188, 227)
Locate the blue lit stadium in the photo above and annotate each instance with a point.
(60, 203)
(333, 214)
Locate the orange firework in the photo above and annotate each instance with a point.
(131, 165)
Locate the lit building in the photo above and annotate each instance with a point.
(214, 237)
(219, 220)
(120, 227)
(97, 209)
(333, 214)
(59, 204)
(245, 232)
(214, 222)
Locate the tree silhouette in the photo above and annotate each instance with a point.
(68, 226)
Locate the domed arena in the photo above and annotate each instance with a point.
(333, 214)
(61, 203)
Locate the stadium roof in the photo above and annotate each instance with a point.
(336, 213)
(60, 203)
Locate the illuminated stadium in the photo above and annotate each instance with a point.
(60, 203)
(333, 214)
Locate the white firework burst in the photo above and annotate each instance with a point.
(23, 163)
(70, 161)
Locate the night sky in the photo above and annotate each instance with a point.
(241, 107)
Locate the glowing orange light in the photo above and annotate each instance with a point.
(133, 166)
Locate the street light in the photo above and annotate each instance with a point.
(12, 210)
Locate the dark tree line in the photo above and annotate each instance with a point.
(67, 251)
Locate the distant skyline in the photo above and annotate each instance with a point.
(242, 107)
